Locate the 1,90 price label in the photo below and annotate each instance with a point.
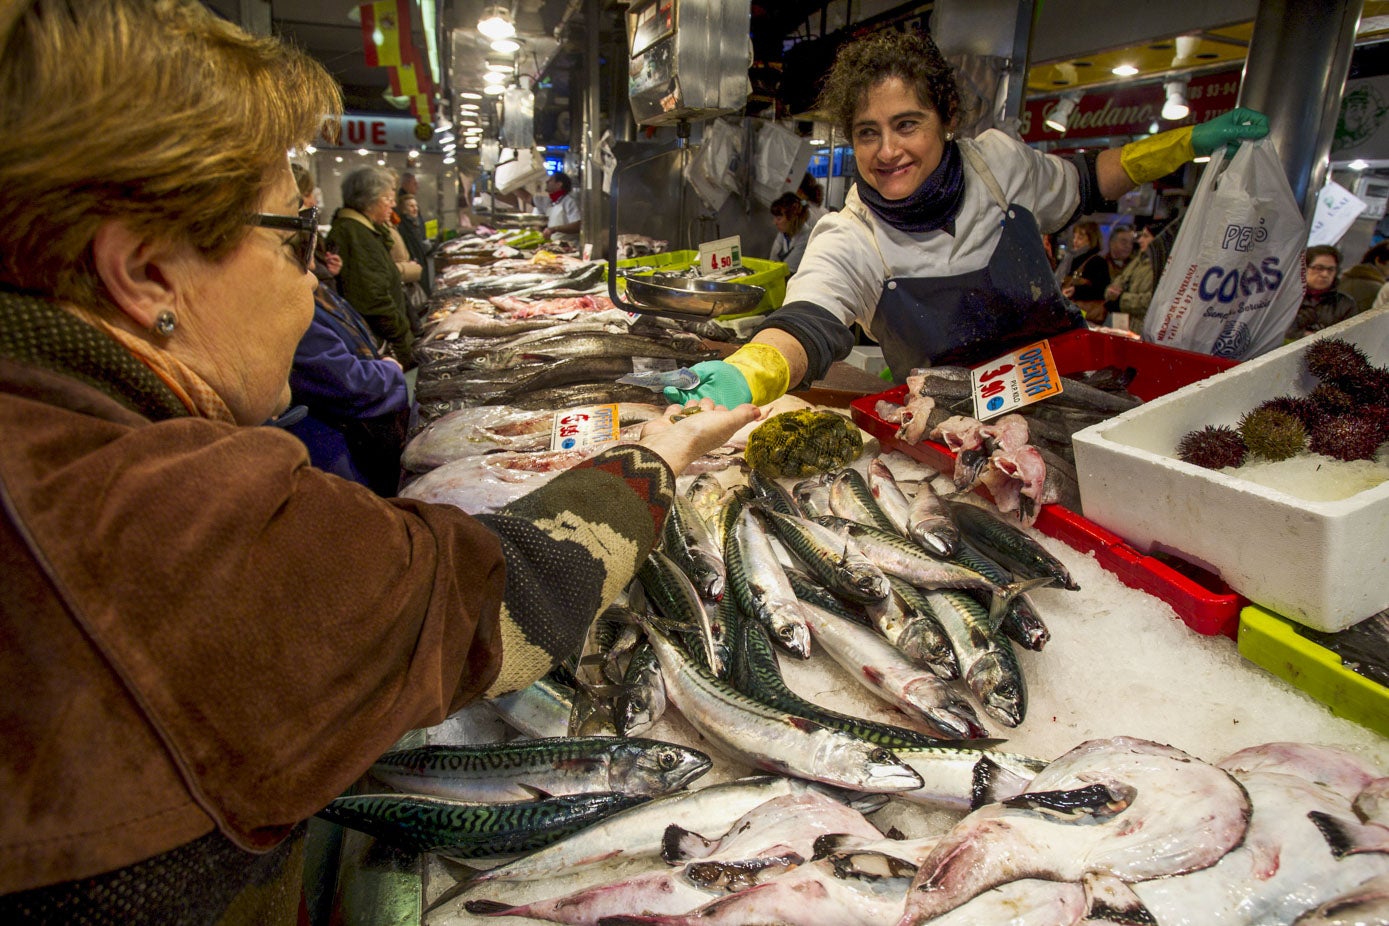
(1014, 380)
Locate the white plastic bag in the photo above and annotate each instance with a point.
(1233, 282)
(710, 170)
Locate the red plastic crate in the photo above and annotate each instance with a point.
(1204, 604)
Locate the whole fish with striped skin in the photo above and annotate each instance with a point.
(807, 588)
(760, 678)
(987, 663)
(643, 698)
(498, 772)
(690, 543)
(1009, 546)
(707, 496)
(852, 500)
(1020, 623)
(892, 501)
(772, 495)
(908, 622)
(832, 558)
(812, 495)
(772, 739)
(674, 596)
(876, 664)
(761, 587)
(898, 556)
(639, 832)
(470, 830)
(930, 523)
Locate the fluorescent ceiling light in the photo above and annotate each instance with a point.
(449, 160)
(506, 46)
(362, 151)
(494, 89)
(1125, 70)
(469, 95)
(493, 78)
(1358, 164)
(500, 67)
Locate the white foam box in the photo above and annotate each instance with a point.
(1324, 564)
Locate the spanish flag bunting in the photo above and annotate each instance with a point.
(385, 31)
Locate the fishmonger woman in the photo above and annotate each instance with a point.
(938, 249)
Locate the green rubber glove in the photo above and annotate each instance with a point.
(1227, 129)
(719, 381)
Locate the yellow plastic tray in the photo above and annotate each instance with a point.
(1274, 643)
(769, 274)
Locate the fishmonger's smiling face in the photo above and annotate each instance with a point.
(898, 139)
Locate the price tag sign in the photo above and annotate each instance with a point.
(717, 256)
(1014, 380)
(584, 427)
(588, 251)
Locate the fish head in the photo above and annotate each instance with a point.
(658, 768)
(794, 637)
(1006, 699)
(876, 768)
(870, 583)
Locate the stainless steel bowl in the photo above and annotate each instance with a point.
(708, 298)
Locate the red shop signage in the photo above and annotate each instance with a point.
(1133, 110)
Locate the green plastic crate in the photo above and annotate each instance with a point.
(1274, 643)
(769, 274)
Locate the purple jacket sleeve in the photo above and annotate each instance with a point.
(331, 379)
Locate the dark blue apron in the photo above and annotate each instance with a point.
(966, 319)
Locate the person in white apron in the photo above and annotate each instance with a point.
(938, 250)
(563, 217)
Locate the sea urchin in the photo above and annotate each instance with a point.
(1214, 447)
(1271, 434)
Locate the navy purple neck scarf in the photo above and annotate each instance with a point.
(934, 204)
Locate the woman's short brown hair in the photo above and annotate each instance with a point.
(152, 112)
(789, 206)
(863, 63)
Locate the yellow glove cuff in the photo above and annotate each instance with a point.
(1156, 156)
(766, 370)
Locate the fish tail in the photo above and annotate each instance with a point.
(998, 606)
(484, 907)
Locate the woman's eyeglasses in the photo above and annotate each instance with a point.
(304, 225)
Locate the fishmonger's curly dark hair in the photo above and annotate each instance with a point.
(863, 63)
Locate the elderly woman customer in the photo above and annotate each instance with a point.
(207, 639)
(371, 276)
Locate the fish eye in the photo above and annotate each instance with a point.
(667, 759)
(881, 754)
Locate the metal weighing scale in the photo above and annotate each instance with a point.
(688, 61)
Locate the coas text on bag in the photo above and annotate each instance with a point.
(1233, 283)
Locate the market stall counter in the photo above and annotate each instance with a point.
(1096, 702)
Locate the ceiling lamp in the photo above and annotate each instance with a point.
(1175, 108)
(1186, 50)
(506, 46)
(1060, 117)
(500, 65)
(494, 89)
(496, 22)
(494, 79)
(469, 95)
(1125, 70)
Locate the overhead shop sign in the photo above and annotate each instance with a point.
(1132, 110)
(375, 133)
